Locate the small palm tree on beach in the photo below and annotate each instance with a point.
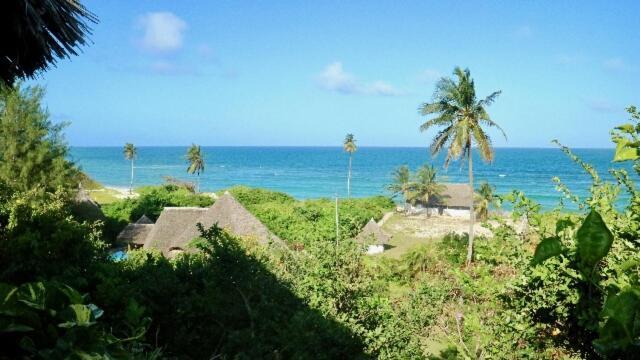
(461, 117)
(426, 185)
(402, 184)
(196, 163)
(485, 198)
(349, 146)
(130, 153)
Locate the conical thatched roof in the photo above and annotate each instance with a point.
(230, 215)
(85, 208)
(371, 232)
(170, 224)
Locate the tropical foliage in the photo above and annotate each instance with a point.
(422, 187)
(37, 32)
(305, 222)
(462, 117)
(485, 198)
(32, 152)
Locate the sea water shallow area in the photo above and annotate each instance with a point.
(312, 172)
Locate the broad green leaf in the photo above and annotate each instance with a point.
(625, 150)
(77, 315)
(72, 294)
(546, 249)
(593, 240)
(33, 295)
(622, 326)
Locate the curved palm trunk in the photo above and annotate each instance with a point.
(131, 184)
(349, 178)
(472, 213)
(198, 183)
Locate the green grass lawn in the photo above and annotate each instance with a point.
(104, 196)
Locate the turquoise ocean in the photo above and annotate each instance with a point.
(312, 172)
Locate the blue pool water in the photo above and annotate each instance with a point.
(310, 172)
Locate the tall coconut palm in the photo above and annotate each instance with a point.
(349, 146)
(196, 163)
(485, 198)
(402, 184)
(130, 153)
(461, 117)
(426, 184)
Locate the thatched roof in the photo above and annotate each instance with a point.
(230, 215)
(85, 208)
(372, 232)
(170, 224)
(177, 227)
(454, 195)
(136, 233)
(144, 220)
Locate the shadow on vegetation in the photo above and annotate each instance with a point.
(224, 303)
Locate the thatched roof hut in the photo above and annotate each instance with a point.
(230, 215)
(135, 234)
(170, 224)
(176, 227)
(456, 196)
(85, 208)
(372, 234)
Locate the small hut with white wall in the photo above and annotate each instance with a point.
(372, 238)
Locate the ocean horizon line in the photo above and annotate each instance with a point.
(332, 147)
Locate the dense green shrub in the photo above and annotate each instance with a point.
(310, 221)
(48, 320)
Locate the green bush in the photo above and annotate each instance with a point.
(309, 221)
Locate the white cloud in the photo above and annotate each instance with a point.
(429, 76)
(334, 78)
(382, 88)
(523, 32)
(162, 31)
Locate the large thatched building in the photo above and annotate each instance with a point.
(455, 200)
(176, 227)
(135, 234)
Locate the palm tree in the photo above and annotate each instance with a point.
(349, 146)
(485, 198)
(196, 163)
(130, 153)
(36, 33)
(462, 117)
(417, 259)
(402, 184)
(426, 184)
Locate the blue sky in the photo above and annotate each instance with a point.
(308, 72)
